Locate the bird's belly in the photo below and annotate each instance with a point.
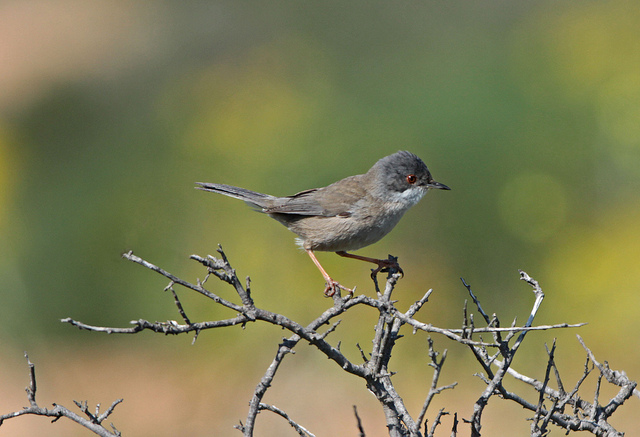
(335, 234)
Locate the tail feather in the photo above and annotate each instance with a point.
(255, 199)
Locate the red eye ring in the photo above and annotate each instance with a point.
(412, 179)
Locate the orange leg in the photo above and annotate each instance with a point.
(381, 263)
(332, 286)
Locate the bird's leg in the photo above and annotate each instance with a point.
(332, 286)
(381, 263)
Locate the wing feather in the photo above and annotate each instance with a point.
(336, 199)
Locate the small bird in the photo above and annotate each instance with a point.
(349, 214)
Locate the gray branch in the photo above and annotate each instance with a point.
(494, 356)
(93, 422)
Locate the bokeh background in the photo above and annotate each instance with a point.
(111, 110)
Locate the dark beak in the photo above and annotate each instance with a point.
(437, 185)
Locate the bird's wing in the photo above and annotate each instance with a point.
(336, 199)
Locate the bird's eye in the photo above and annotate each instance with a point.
(412, 179)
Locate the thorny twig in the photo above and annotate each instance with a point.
(93, 422)
(361, 432)
(495, 383)
(301, 430)
(375, 367)
(584, 417)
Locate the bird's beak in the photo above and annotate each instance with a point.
(437, 185)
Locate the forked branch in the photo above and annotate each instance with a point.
(92, 422)
(494, 355)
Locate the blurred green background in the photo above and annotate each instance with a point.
(111, 110)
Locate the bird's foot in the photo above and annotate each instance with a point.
(386, 265)
(334, 286)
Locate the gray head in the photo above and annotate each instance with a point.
(402, 177)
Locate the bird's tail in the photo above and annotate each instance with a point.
(254, 199)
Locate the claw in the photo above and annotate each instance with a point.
(334, 286)
(384, 265)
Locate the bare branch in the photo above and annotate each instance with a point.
(436, 422)
(415, 307)
(434, 389)
(198, 288)
(538, 430)
(359, 422)
(178, 304)
(476, 301)
(228, 274)
(586, 416)
(284, 348)
(508, 354)
(454, 427)
(614, 377)
(375, 368)
(302, 431)
(93, 423)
